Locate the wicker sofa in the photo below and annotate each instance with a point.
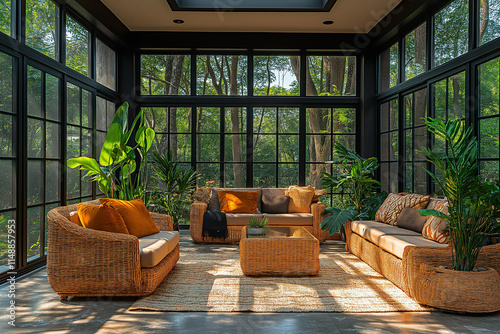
(310, 221)
(85, 262)
(398, 254)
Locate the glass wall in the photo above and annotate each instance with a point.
(389, 145)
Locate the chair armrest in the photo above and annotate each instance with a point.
(196, 220)
(80, 260)
(316, 209)
(164, 222)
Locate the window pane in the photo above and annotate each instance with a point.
(236, 175)
(489, 84)
(87, 119)
(52, 98)
(52, 181)
(73, 104)
(456, 96)
(77, 46)
(420, 178)
(101, 113)
(165, 75)
(264, 148)
(319, 148)
(52, 140)
(264, 175)
(236, 120)
(451, 32)
(389, 61)
(214, 75)
(276, 75)
(73, 183)
(35, 138)
(208, 120)
(6, 17)
(415, 52)
(318, 120)
(489, 26)
(347, 141)
(6, 83)
(235, 146)
(7, 184)
(35, 182)
(73, 142)
(488, 137)
(344, 120)
(34, 92)
(41, 26)
(105, 65)
(288, 175)
(209, 173)
(208, 148)
(264, 120)
(7, 125)
(288, 120)
(288, 150)
(34, 224)
(331, 75)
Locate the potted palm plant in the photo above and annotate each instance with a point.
(473, 217)
(360, 199)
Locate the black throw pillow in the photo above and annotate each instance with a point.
(275, 204)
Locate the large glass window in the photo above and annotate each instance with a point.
(221, 75)
(41, 26)
(8, 158)
(77, 46)
(331, 76)
(489, 124)
(415, 140)
(389, 145)
(276, 75)
(165, 74)
(451, 32)
(78, 140)
(44, 156)
(416, 52)
(6, 14)
(389, 65)
(489, 25)
(105, 59)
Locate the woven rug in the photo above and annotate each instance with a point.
(214, 282)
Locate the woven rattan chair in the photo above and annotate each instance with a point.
(85, 262)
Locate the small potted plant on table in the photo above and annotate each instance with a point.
(257, 226)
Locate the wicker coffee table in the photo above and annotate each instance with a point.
(282, 251)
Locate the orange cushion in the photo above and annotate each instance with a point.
(238, 201)
(300, 199)
(73, 217)
(135, 215)
(101, 217)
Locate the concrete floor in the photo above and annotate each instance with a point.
(39, 310)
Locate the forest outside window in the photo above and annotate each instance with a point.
(41, 31)
(416, 52)
(389, 67)
(165, 74)
(6, 15)
(489, 25)
(331, 76)
(77, 46)
(276, 75)
(221, 74)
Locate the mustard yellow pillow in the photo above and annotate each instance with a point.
(73, 217)
(238, 201)
(135, 215)
(300, 199)
(101, 217)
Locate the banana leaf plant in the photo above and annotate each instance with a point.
(473, 204)
(360, 199)
(117, 161)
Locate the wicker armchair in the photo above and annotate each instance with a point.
(84, 262)
(234, 232)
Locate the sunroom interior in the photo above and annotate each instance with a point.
(249, 97)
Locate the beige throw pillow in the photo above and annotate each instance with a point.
(300, 199)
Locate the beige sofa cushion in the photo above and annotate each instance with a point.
(290, 219)
(396, 244)
(153, 248)
(372, 230)
(240, 219)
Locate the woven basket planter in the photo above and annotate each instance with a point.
(459, 291)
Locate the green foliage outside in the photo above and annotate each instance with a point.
(474, 205)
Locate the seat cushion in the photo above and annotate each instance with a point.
(372, 230)
(290, 219)
(153, 248)
(240, 219)
(396, 244)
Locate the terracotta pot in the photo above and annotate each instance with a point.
(459, 291)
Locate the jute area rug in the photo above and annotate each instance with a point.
(213, 281)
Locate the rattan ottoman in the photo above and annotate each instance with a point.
(282, 251)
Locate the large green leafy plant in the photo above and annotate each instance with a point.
(473, 204)
(176, 186)
(360, 199)
(118, 161)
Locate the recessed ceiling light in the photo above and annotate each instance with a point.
(177, 21)
(327, 22)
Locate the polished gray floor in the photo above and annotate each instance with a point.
(39, 310)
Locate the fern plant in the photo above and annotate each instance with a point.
(360, 199)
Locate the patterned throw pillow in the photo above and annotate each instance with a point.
(202, 194)
(434, 228)
(393, 205)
